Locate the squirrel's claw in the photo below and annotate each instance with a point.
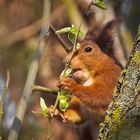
(66, 83)
(57, 114)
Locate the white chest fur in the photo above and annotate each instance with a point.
(89, 82)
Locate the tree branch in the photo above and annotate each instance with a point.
(124, 97)
(29, 31)
(58, 37)
(14, 132)
(44, 89)
(4, 92)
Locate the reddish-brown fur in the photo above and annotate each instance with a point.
(104, 72)
(96, 67)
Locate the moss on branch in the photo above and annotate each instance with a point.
(124, 99)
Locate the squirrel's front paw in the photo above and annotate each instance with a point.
(67, 84)
(57, 114)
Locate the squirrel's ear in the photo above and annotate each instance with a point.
(105, 39)
(92, 33)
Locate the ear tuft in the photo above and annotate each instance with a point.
(92, 33)
(105, 39)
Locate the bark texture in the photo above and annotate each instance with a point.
(122, 121)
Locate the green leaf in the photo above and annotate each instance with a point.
(63, 104)
(72, 32)
(71, 37)
(101, 5)
(75, 30)
(44, 108)
(77, 46)
(66, 73)
(64, 95)
(64, 100)
(63, 30)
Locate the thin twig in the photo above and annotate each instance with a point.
(56, 101)
(75, 44)
(76, 38)
(4, 92)
(44, 89)
(59, 38)
(48, 129)
(68, 66)
(14, 132)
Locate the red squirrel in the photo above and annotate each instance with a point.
(94, 75)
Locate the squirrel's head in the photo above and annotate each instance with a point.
(95, 51)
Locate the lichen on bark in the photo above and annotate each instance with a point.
(124, 109)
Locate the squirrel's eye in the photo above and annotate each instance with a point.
(88, 49)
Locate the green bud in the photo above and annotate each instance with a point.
(63, 104)
(44, 108)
